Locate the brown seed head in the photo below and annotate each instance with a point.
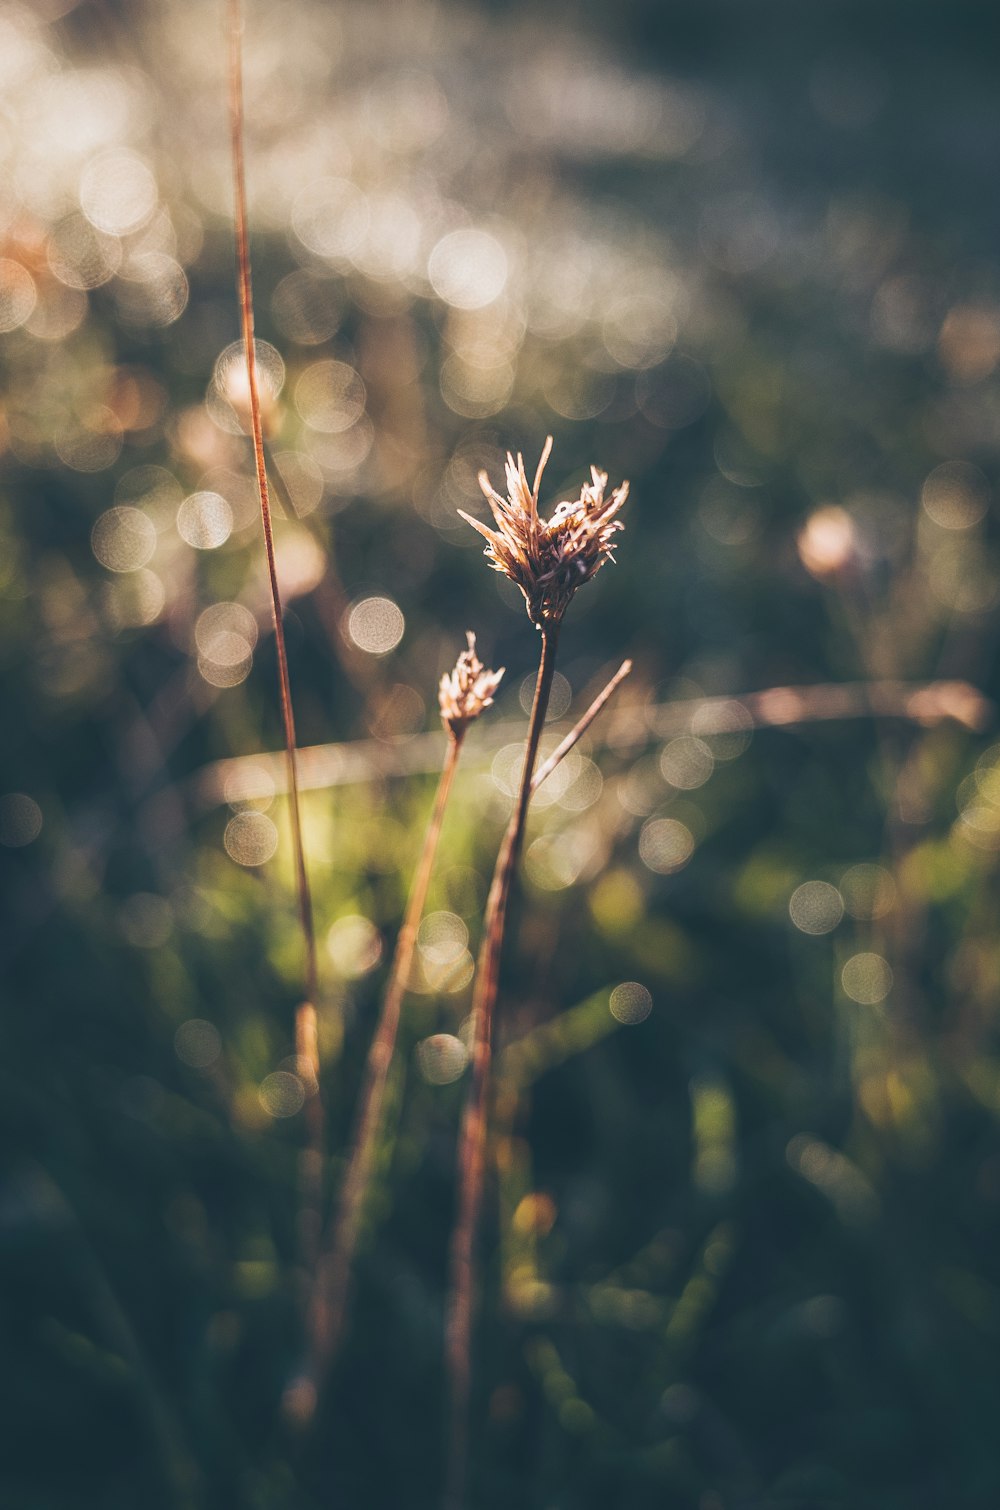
(467, 690)
(549, 558)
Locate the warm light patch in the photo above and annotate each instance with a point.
(816, 907)
(665, 845)
(250, 839)
(123, 539)
(630, 1003)
(376, 625)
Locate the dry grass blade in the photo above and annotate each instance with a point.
(581, 726)
(312, 1157)
(332, 765)
(464, 695)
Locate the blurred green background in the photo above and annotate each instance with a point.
(741, 1232)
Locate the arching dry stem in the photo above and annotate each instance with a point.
(311, 1170)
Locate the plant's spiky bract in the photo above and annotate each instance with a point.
(549, 558)
(467, 690)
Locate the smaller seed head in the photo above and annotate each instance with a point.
(467, 690)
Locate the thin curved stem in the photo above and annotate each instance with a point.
(312, 1156)
(472, 1138)
(581, 726)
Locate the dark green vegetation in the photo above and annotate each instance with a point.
(740, 1253)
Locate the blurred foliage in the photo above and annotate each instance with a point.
(743, 1245)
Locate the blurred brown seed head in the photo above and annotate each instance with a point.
(549, 558)
(467, 690)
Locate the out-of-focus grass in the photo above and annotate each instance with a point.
(742, 1251)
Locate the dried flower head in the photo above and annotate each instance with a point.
(549, 558)
(467, 690)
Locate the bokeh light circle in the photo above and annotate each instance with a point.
(250, 839)
(867, 979)
(117, 191)
(468, 269)
(355, 945)
(816, 907)
(956, 495)
(123, 539)
(197, 1043)
(630, 1003)
(375, 625)
(205, 520)
(330, 397)
(282, 1094)
(18, 295)
(20, 820)
(665, 845)
(442, 1058)
(686, 762)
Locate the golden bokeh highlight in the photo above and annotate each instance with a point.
(123, 539)
(375, 625)
(250, 839)
(630, 1003)
(282, 1094)
(117, 191)
(867, 979)
(816, 907)
(354, 945)
(468, 269)
(18, 295)
(205, 521)
(330, 397)
(442, 1058)
(665, 845)
(686, 762)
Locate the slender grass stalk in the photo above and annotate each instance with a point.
(330, 1294)
(464, 694)
(581, 726)
(549, 560)
(472, 1138)
(311, 1162)
(928, 704)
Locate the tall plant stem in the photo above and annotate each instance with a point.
(329, 1304)
(305, 1025)
(472, 1138)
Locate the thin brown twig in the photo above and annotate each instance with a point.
(580, 728)
(312, 1156)
(472, 1137)
(925, 703)
(330, 1295)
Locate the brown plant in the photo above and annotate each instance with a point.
(467, 690)
(549, 560)
(310, 1172)
(465, 693)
